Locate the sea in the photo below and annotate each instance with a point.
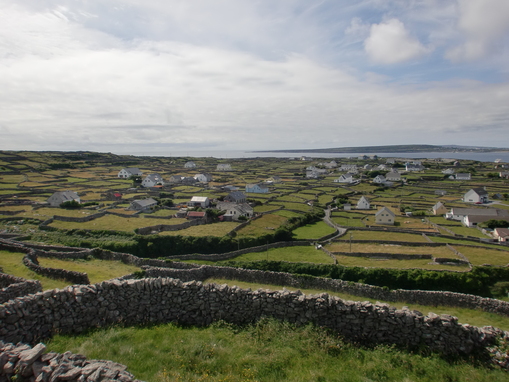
(233, 154)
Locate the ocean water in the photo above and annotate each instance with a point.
(232, 154)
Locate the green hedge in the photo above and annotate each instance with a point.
(478, 281)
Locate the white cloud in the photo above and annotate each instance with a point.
(390, 43)
(128, 74)
(484, 25)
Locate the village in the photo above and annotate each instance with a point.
(81, 228)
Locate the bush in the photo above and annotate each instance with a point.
(71, 205)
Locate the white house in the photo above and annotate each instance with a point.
(473, 220)
(142, 204)
(414, 166)
(501, 234)
(463, 176)
(60, 197)
(363, 203)
(448, 171)
(345, 178)
(190, 164)
(349, 167)
(199, 201)
(204, 178)
(129, 171)
(459, 213)
(224, 167)
(257, 188)
(152, 180)
(476, 195)
(379, 179)
(234, 211)
(385, 216)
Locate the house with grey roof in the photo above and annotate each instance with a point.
(476, 195)
(204, 178)
(234, 211)
(460, 213)
(129, 171)
(142, 204)
(462, 176)
(60, 197)
(363, 203)
(190, 164)
(224, 167)
(235, 197)
(152, 180)
(393, 176)
(501, 234)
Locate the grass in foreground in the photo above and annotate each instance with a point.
(266, 351)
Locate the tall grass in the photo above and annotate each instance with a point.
(266, 351)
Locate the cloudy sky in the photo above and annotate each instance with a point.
(128, 75)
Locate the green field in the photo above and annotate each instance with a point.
(312, 231)
(306, 254)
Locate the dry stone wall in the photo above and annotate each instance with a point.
(159, 300)
(12, 287)
(421, 297)
(22, 362)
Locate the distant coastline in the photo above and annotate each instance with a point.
(396, 149)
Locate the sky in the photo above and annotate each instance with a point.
(127, 76)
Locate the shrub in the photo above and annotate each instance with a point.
(71, 205)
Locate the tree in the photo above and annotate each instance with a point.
(136, 179)
(493, 223)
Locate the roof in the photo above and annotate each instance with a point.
(66, 195)
(196, 214)
(236, 195)
(479, 191)
(154, 177)
(199, 199)
(494, 212)
(145, 202)
(132, 170)
(503, 232)
(385, 209)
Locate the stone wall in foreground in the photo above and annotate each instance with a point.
(77, 308)
(22, 362)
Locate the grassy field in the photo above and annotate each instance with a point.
(115, 223)
(269, 351)
(12, 264)
(97, 270)
(383, 236)
(344, 246)
(346, 222)
(266, 224)
(349, 261)
(480, 256)
(312, 231)
(214, 229)
(306, 254)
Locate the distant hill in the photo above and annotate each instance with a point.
(395, 149)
